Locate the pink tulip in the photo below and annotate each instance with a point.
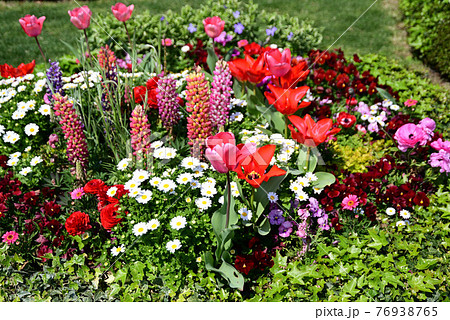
(81, 17)
(122, 12)
(213, 26)
(279, 62)
(32, 25)
(223, 154)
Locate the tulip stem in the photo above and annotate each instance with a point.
(128, 34)
(87, 44)
(308, 153)
(286, 127)
(40, 49)
(228, 199)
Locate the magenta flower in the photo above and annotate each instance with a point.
(77, 193)
(409, 135)
(167, 42)
(285, 229)
(428, 125)
(220, 95)
(32, 25)
(122, 12)
(441, 159)
(81, 17)
(279, 63)
(213, 26)
(410, 103)
(350, 202)
(10, 237)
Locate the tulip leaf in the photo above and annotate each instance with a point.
(385, 94)
(303, 158)
(237, 89)
(275, 118)
(212, 59)
(323, 179)
(219, 217)
(264, 228)
(226, 270)
(224, 240)
(267, 186)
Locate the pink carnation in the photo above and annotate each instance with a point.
(10, 237)
(350, 202)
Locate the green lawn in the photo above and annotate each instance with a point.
(372, 33)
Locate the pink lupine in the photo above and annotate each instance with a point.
(140, 132)
(77, 151)
(199, 123)
(220, 95)
(167, 102)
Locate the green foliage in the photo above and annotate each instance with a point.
(428, 24)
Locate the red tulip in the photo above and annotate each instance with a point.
(223, 154)
(7, 71)
(253, 168)
(309, 133)
(122, 12)
(298, 72)
(248, 69)
(32, 25)
(213, 26)
(279, 63)
(287, 101)
(81, 17)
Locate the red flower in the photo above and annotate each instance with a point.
(330, 74)
(287, 101)
(150, 90)
(342, 81)
(51, 208)
(279, 63)
(94, 186)
(122, 12)
(108, 216)
(81, 17)
(248, 69)
(213, 26)
(421, 199)
(310, 133)
(244, 264)
(346, 120)
(252, 49)
(32, 25)
(139, 94)
(298, 72)
(7, 71)
(319, 75)
(77, 223)
(256, 164)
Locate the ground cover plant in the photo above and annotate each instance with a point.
(230, 166)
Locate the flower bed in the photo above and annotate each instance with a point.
(265, 176)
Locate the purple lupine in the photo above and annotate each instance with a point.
(167, 102)
(220, 95)
(107, 61)
(77, 151)
(54, 83)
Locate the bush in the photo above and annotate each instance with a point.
(429, 31)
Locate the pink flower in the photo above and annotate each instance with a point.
(409, 135)
(428, 125)
(166, 42)
(410, 103)
(279, 62)
(122, 12)
(242, 43)
(10, 237)
(32, 25)
(350, 202)
(77, 193)
(213, 26)
(81, 17)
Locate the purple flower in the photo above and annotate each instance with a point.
(223, 38)
(271, 31)
(285, 229)
(290, 35)
(301, 231)
(238, 28)
(276, 217)
(192, 28)
(54, 77)
(236, 14)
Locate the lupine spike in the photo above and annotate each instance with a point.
(220, 95)
(54, 77)
(107, 61)
(77, 150)
(140, 132)
(199, 124)
(167, 102)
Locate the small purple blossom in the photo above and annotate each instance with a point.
(276, 217)
(239, 28)
(223, 38)
(285, 229)
(192, 28)
(301, 231)
(271, 31)
(162, 18)
(290, 35)
(236, 14)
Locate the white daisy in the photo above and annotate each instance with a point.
(296, 187)
(203, 203)
(31, 129)
(365, 116)
(190, 163)
(140, 228)
(394, 107)
(2, 129)
(18, 115)
(12, 162)
(153, 224)
(405, 214)
(155, 181)
(140, 175)
(133, 193)
(35, 160)
(115, 251)
(156, 144)
(390, 211)
(245, 213)
(235, 193)
(177, 223)
(167, 185)
(184, 178)
(237, 116)
(311, 176)
(195, 184)
(15, 155)
(302, 196)
(165, 153)
(233, 186)
(21, 88)
(317, 190)
(400, 223)
(144, 196)
(123, 164)
(174, 245)
(131, 184)
(221, 199)
(303, 181)
(27, 149)
(25, 171)
(211, 181)
(111, 192)
(208, 190)
(272, 196)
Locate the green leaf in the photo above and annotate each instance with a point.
(121, 275)
(275, 118)
(218, 219)
(237, 89)
(137, 271)
(264, 227)
(226, 270)
(323, 179)
(385, 94)
(266, 187)
(392, 279)
(379, 240)
(423, 264)
(350, 287)
(303, 158)
(212, 59)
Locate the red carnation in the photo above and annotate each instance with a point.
(77, 223)
(94, 186)
(108, 216)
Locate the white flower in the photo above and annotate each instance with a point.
(31, 129)
(156, 144)
(155, 181)
(272, 196)
(195, 184)
(211, 181)
(390, 211)
(140, 175)
(395, 107)
(18, 115)
(203, 165)
(2, 129)
(190, 163)
(184, 178)
(365, 116)
(177, 223)
(123, 164)
(15, 155)
(386, 103)
(233, 186)
(237, 116)
(12, 162)
(140, 228)
(235, 193)
(22, 106)
(115, 251)
(27, 149)
(153, 224)
(400, 223)
(405, 214)
(131, 184)
(45, 110)
(302, 196)
(374, 107)
(25, 171)
(208, 190)
(21, 88)
(317, 190)
(372, 119)
(203, 203)
(303, 181)
(296, 187)
(165, 153)
(245, 213)
(111, 192)
(133, 193)
(144, 196)
(167, 185)
(35, 160)
(31, 104)
(283, 157)
(188, 200)
(311, 176)
(185, 49)
(174, 245)
(221, 199)
(11, 137)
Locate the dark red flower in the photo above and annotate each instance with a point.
(346, 120)
(51, 208)
(30, 198)
(318, 76)
(94, 186)
(356, 58)
(244, 264)
(77, 223)
(342, 81)
(3, 160)
(108, 216)
(421, 199)
(330, 74)
(54, 226)
(42, 251)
